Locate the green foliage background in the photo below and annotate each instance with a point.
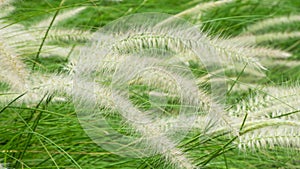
(48, 135)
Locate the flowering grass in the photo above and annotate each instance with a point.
(246, 74)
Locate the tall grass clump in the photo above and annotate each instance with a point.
(214, 85)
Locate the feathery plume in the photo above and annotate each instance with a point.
(268, 37)
(197, 10)
(6, 7)
(60, 17)
(269, 134)
(267, 23)
(151, 134)
(12, 68)
(276, 102)
(69, 35)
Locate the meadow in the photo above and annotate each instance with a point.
(150, 84)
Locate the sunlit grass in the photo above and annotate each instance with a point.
(45, 132)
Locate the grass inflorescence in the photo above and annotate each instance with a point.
(102, 84)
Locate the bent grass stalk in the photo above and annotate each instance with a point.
(251, 123)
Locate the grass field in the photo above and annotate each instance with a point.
(218, 80)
